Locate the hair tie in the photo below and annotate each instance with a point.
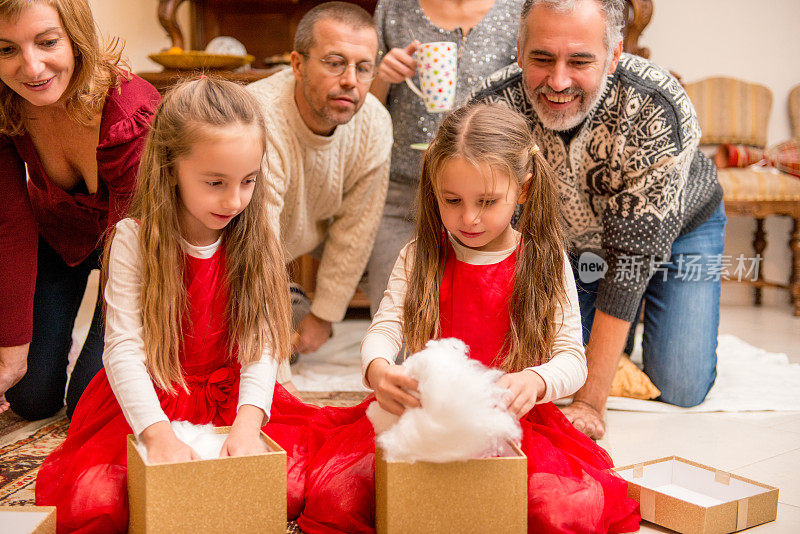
(202, 77)
(534, 149)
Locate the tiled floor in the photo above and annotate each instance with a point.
(763, 446)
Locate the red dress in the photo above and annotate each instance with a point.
(570, 488)
(85, 477)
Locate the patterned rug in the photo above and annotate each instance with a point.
(20, 460)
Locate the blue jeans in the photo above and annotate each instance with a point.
(57, 298)
(681, 314)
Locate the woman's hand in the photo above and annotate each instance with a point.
(244, 438)
(398, 64)
(163, 446)
(13, 366)
(524, 389)
(392, 386)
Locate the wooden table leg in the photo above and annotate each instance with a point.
(794, 279)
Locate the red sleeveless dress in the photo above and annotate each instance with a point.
(85, 477)
(570, 487)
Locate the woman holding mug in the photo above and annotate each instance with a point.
(76, 120)
(485, 34)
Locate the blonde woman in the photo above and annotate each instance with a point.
(193, 329)
(76, 119)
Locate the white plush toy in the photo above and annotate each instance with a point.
(462, 413)
(202, 438)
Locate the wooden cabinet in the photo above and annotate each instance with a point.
(265, 27)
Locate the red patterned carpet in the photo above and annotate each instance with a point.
(20, 461)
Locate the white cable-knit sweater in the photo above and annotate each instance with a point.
(329, 188)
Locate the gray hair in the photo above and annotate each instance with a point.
(354, 16)
(615, 12)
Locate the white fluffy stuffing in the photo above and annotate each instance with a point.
(202, 438)
(462, 415)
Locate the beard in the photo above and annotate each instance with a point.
(560, 121)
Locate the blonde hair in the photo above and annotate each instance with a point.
(494, 135)
(97, 69)
(258, 309)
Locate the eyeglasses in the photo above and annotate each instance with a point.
(336, 65)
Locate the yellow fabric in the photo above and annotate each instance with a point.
(631, 382)
(758, 184)
(731, 111)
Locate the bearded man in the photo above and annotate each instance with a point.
(641, 205)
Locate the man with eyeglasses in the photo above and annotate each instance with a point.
(329, 144)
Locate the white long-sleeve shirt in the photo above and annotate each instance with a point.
(563, 374)
(124, 356)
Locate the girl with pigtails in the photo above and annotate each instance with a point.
(509, 294)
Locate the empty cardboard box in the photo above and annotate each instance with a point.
(475, 496)
(237, 494)
(28, 519)
(697, 499)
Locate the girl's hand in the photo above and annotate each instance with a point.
(392, 386)
(244, 438)
(398, 64)
(524, 389)
(163, 446)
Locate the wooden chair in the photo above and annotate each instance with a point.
(794, 110)
(737, 112)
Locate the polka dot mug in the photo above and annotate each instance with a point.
(436, 69)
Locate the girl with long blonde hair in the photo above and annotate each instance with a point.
(197, 309)
(509, 294)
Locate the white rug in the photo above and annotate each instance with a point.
(749, 379)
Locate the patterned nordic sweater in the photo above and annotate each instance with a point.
(632, 178)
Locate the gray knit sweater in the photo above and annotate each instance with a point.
(632, 178)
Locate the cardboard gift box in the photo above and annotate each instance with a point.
(237, 494)
(480, 495)
(28, 519)
(693, 498)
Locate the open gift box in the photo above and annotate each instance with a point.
(480, 495)
(693, 498)
(237, 494)
(28, 519)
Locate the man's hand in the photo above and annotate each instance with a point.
(392, 386)
(313, 332)
(524, 389)
(602, 355)
(585, 418)
(291, 388)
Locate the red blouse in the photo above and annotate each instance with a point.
(72, 223)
